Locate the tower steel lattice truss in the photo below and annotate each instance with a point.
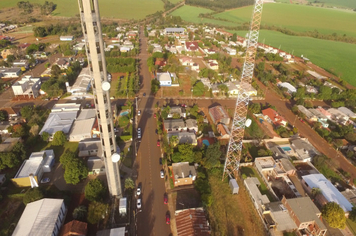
(234, 149)
(90, 19)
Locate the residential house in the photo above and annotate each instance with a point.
(192, 222)
(324, 112)
(27, 86)
(338, 116)
(12, 112)
(4, 125)
(21, 63)
(223, 131)
(61, 118)
(230, 51)
(316, 75)
(252, 185)
(306, 216)
(320, 117)
(184, 137)
(290, 88)
(186, 61)
(160, 62)
(42, 217)
(47, 73)
(90, 148)
(209, 51)
(191, 46)
(277, 218)
(309, 115)
(10, 72)
(96, 166)
(82, 125)
(178, 110)
(82, 84)
(329, 193)
(350, 195)
(174, 30)
(213, 64)
(79, 47)
(274, 117)
(166, 78)
(305, 151)
(8, 144)
(206, 82)
(174, 125)
(37, 164)
(63, 63)
(311, 89)
(183, 173)
(347, 112)
(39, 55)
(191, 125)
(219, 115)
(73, 228)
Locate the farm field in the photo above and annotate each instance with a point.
(337, 3)
(334, 56)
(299, 18)
(191, 14)
(120, 9)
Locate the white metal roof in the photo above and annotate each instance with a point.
(83, 80)
(347, 112)
(86, 114)
(287, 85)
(30, 166)
(82, 127)
(59, 121)
(164, 77)
(39, 217)
(328, 189)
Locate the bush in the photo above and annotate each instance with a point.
(80, 213)
(59, 138)
(96, 212)
(334, 215)
(33, 194)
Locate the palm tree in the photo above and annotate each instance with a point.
(174, 140)
(315, 192)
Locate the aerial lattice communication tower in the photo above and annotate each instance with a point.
(239, 123)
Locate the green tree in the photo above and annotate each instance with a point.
(27, 112)
(55, 71)
(255, 108)
(234, 37)
(94, 190)
(18, 131)
(75, 171)
(80, 213)
(351, 137)
(39, 31)
(45, 136)
(67, 158)
(186, 151)
(129, 184)
(155, 85)
(177, 157)
(174, 140)
(33, 194)
(334, 215)
(213, 154)
(199, 89)
(3, 115)
(59, 139)
(96, 212)
(316, 192)
(10, 58)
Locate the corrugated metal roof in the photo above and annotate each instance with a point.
(192, 222)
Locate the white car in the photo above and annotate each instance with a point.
(138, 191)
(139, 133)
(162, 174)
(139, 203)
(139, 112)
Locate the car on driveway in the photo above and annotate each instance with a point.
(139, 133)
(139, 203)
(45, 180)
(162, 174)
(168, 219)
(165, 198)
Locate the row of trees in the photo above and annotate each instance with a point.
(46, 9)
(74, 29)
(122, 65)
(221, 4)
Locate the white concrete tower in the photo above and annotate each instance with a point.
(90, 18)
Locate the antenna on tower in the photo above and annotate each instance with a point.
(239, 123)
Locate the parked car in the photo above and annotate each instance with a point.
(160, 161)
(139, 112)
(162, 174)
(165, 198)
(45, 180)
(139, 203)
(139, 133)
(168, 219)
(156, 131)
(158, 143)
(138, 191)
(154, 115)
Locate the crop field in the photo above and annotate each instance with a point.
(299, 18)
(191, 14)
(120, 9)
(337, 57)
(337, 3)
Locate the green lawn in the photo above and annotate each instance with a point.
(299, 18)
(123, 121)
(335, 56)
(191, 14)
(58, 150)
(121, 9)
(351, 225)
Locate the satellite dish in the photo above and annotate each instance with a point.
(115, 157)
(248, 122)
(105, 86)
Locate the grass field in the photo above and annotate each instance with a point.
(299, 18)
(191, 14)
(337, 57)
(121, 9)
(175, 1)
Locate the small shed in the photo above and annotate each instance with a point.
(123, 206)
(234, 186)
